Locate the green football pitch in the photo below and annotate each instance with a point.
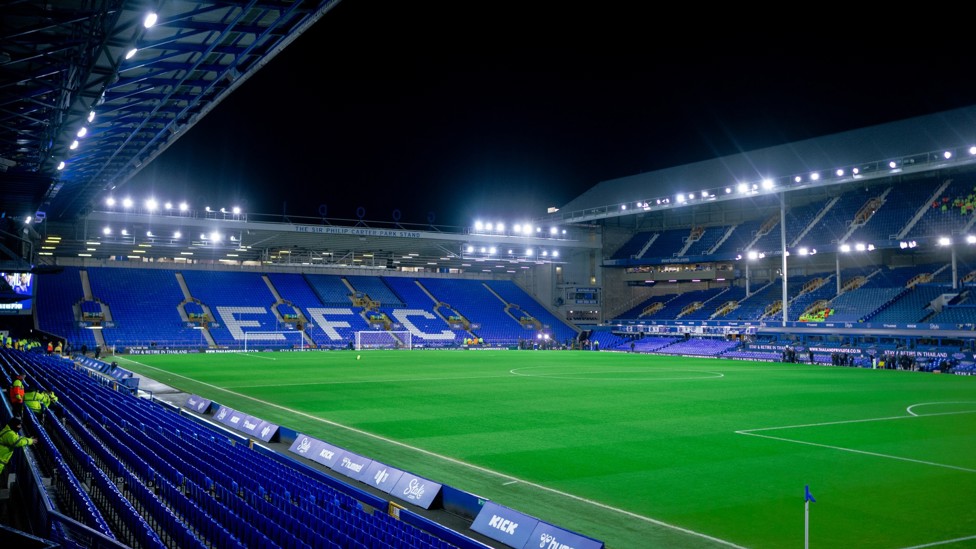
(638, 451)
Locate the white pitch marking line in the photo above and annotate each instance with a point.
(460, 463)
(753, 432)
(944, 542)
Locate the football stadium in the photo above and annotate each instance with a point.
(771, 349)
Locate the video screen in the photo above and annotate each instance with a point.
(16, 292)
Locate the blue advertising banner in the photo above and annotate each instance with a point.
(547, 536)
(350, 464)
(197, 404)
(316, 450)
(382, 476)
(258, 428)
(246, 424)
(416, 490)
(229, 417)
(505, 525)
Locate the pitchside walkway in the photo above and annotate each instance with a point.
(150, 388)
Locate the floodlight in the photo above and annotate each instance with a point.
(236, 210)
(61, 165)
(91, 116)
(797, 179)
(767, 183)
(107, 231)
(82, 132)
(126, 202)
(680, 198)
(131, 53)
(150, 20)
(470, 248)
(184, 206)
(972, 150)
(110, 201)
(856, 171)
(815, 176)
(555, 253)
(860, 247)
(623, 206)
(177, 234)
(944, 241)
(892, 164)
(554, 231)
(151, 204)
(845, 248)
(74, 145)
(478, 226)
(743, 187)
(839, 172)
(947, 155)
(970, 239)
(499, 227)
(168, 206)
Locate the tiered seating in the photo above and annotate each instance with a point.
(754, 306)
(244, 294)
(633, 246)
(837, 220)
(707, 241)
(901, 205)
(911, 307)
(330, 289)
(964, 316)
(414, 297)
(476, 303)
(802, 301)
(56, 295)
(699, 347)
(159, 479)
(939, 221)
(295, 288)
(712, 299)
(144, 304)
(668, 243)
(651, 344)
(377, 290)
(636, 311)
(857, 305)
(797, 220)
(674, 307)
(740, 238)
(511, 293)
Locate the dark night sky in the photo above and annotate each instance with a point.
(497, 110)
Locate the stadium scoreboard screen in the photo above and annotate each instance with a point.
(16, 293)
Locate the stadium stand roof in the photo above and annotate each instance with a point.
(915, 144)
(64, 60)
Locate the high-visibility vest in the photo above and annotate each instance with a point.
(17, 392)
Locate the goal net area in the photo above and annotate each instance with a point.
(257, 341)
(383, 339)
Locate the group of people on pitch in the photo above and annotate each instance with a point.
(38, 401)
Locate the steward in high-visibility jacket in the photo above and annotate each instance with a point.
(10, 440)
(36, 400)
(16, 395)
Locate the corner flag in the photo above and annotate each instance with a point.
(807, 499)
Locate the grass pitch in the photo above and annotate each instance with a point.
(638, 451)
